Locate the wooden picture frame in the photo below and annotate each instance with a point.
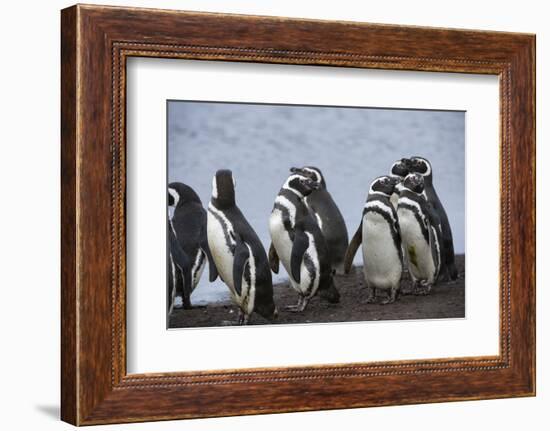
(95, 43)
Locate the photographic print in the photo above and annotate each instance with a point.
(293, 214)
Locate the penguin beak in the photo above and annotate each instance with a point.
(296, 170)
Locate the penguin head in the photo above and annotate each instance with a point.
(400, 169)
(267, 310)
(420, 165)
(223, 188)
(179, 193)
(312, 172)
(264, 304)
(301, 184)
(384, 185)
(414, 182)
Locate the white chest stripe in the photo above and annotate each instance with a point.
(221, 215)
(412, 203)
(319, 221)
(174, 195)
(198, 265)
(384, 208)
(251, 291)
(312, 251)
(281, 200)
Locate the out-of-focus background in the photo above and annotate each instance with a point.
(351, 146)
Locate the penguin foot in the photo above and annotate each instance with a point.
(422, 289)
(243, 319)
(391, 297)
(178, 302)
(299, 307)
(370, 300)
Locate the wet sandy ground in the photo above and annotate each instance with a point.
(446, 300)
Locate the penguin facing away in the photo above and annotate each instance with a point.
(379, 234)
(422, 166)
(328, 217)
(420, 234)
(188, 224)
(297, 242)
(238, 253)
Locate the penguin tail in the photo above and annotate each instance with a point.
(453, 272)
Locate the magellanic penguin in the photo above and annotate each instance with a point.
(422, 166)
(328, 217)
(420, 234)
(398, 171)
(297, 241)
(189, 226)
(238, 253)
(379, 234)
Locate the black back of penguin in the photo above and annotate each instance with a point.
(423, 166)
(189, 219)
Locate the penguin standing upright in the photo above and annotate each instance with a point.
(238, 253)
(420, 234)
(328, 216)
(379, 233)
(423, 167)
(189, 227)
(297, 241)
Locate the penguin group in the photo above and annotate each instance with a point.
(403, 228)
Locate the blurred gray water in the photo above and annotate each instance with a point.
(351, 146)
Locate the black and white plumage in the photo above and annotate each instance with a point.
(423, 167)
(399, 171)
(238, 253)
(297, 242)
(328, 217)
(379, 234)
(421, 236)
(188, 227)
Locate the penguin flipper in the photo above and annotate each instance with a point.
(240, 260)
(352, 248)
(273, 258)
(179, 256)
(433, 237)
(299, 247)
(213, 271)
